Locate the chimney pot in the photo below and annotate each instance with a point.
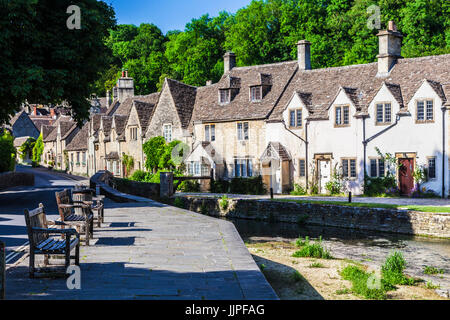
(304, 54)
(229, 61)
(123, 73)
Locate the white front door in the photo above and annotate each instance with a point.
(324, 174)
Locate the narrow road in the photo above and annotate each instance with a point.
(13, 201)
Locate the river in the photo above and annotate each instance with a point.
(370, 248)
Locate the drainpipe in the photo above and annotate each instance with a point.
(306, 147)
(443, 151)
(365, 150)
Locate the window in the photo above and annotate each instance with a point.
(133, 133)
(210, 132)
(243, 168)
(377, 168)
(224, 95)
(383, 113)
(349, 168)
(432, 168)
(242, 130)
(425, 111)
(255, 93)
(167, 132)
(78, 158)
(342, 116)
(302, 168)
(295, 118)
(84, 158)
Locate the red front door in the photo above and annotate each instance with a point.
(405, 176)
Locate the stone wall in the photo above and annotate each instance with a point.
(141, 189)
(14, 179)
(375, 219)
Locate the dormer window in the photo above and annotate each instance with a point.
(256, 93)
(295, 118)
(425, 111)
(224, 96)
(383, 113)
(342, 116)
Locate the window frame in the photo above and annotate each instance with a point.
(377, 160)
(348, 161)
(241, 133)
(252, 96)
(428, 168)
(211, 129)
(227, 95)
(133, 133)
(243, 163)
(300, 173)
(296, 125)
(343, 108)
(164, 132)
(383, 122)
(425, 111)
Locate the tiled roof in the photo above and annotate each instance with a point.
(208, 108)
(124, 108)
(144, 111)
(112, 156)
(67, 128)
(404, 80)
(52, 135)
(280, 150)
(20, 141)
(80, 141)
(107, 122)
(46, 130)
(183, 96)
(119, 123)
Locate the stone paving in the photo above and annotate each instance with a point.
(148, 250)
(396, 201)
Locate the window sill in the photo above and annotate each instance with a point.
(383, 123)
(341, 125)
(424, 121)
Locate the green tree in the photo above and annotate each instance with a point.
(44, 61)
(38, 150)
(8, 152)
(27, 148)
(154, 149)
(166, 161)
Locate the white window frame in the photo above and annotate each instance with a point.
(167, 134)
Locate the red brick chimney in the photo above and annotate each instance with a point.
(34, 111)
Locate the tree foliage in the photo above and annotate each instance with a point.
(153, 150)
(38, 150)
(43, 61)
(27, 148)
(8, 152)
(266, 31)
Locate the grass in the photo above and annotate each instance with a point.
(343, 291)
(363, 284)
(432, 270)
(393, 268)
(430, 285)
(316, 265)
(372, 205)
(312, 250)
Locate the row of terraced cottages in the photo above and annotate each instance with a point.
(289, 123)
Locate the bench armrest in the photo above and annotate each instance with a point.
(75, 205)
(56, 223)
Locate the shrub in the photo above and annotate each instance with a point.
(189, 186)
(432, 270)
(360, 280)
(8, 152)
(224, 203)
(178, 202)
(253, 185)
(298, 190)
(220, 186)
(300, 242)
(140, 176)
(392, 270)
(335, 185)
(380, 186)
(314, 250)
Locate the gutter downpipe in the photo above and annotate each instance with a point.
(306, 147)
(443, 151)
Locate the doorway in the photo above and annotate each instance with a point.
(324, 174)
(405, 176)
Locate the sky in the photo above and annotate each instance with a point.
(170, 14)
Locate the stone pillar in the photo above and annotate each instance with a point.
(229, 61)
(166, 184)
(2, 271)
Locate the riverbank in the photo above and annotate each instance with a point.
(317, 279)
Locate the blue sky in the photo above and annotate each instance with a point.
(170, 14)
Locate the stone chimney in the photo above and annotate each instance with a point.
(125, 87)
(304, 54)
(229, 61)
(108, 98)
(390, 47)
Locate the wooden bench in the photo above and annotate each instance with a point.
(43, 241)
(80, 221)
(88, 196)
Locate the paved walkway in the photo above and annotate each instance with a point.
(148, 250)
(397, 201)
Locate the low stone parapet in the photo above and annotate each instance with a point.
(15, 179)
(375, 219)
